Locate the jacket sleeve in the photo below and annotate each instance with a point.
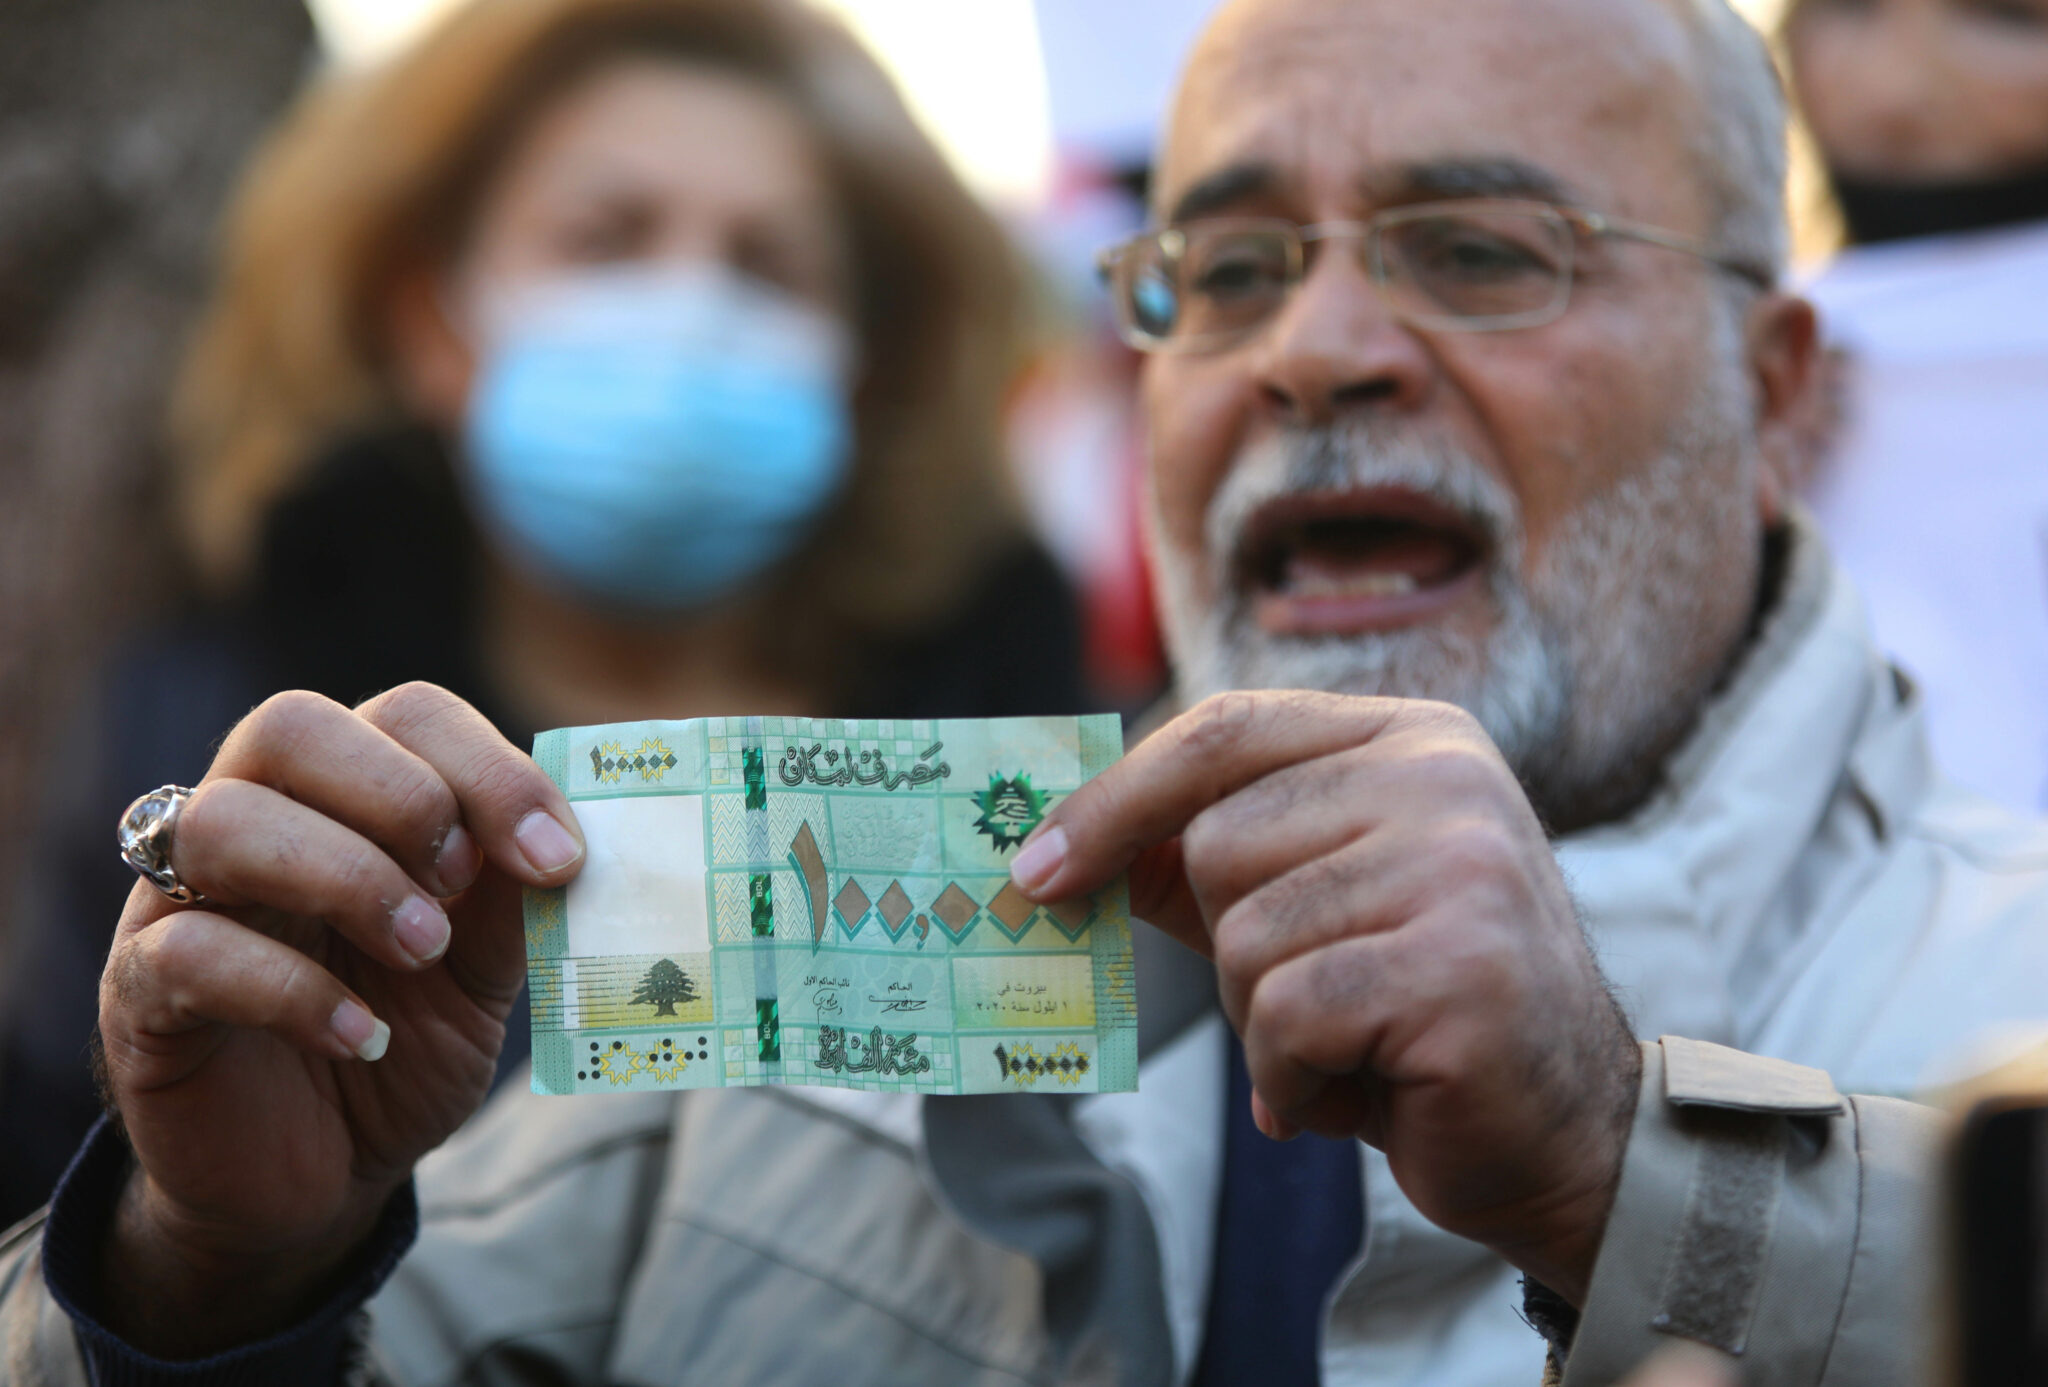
(51, 1331)
(529, 1247)
(1764, 1214)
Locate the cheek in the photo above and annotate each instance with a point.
(1573, 409)
(1194, 422)
(2016, 109)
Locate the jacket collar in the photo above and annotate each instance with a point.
(1811, 721)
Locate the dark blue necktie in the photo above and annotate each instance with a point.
(1291, 1218)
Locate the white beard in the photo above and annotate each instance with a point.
(1593, 667)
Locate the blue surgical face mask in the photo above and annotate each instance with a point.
(651, 439)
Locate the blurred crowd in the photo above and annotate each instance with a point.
(589, 363)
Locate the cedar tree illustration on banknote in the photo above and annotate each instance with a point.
(825, 901)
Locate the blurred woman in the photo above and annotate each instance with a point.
(600, 359)
(1931, 119)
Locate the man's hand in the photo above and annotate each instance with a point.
(363, 870)
(1392, 940)
(1685, 1365)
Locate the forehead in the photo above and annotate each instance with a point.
(673, 121)
(1339, 101)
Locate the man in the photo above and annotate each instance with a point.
(1468, 384)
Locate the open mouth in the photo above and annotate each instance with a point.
(1358, 561)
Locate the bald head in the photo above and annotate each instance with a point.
(1692, 72)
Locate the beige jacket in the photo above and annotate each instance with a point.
(1806, 888)
(743, 1238)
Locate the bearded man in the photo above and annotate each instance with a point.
(1469, 395)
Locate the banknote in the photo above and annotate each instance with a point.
(783, 900)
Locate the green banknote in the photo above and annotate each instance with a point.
(779, 900)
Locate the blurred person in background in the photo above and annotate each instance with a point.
(1931, 119)
(124, 125)
(599, 358)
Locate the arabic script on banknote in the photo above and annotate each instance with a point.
(780, 900)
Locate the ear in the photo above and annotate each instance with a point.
(432, 361)
(1781, 342)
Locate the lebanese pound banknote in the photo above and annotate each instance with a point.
(780, 900)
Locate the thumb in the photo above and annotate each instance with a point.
(1686, 1365)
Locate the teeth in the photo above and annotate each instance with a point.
(1322, 584)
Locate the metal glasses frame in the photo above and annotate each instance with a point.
(1581, 222)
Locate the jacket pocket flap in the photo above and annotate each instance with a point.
(1700, 1074)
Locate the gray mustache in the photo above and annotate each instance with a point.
(1356, 457)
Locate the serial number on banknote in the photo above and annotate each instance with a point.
(779, 900)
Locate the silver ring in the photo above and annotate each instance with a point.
(145, 834)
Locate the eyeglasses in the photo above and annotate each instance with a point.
(1465, 266)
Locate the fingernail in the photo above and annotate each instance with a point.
(1039, 860)
(363, 1033)
(421, 929)
(458, 861)
(548, 846)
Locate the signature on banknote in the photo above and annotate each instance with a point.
(879, 1052)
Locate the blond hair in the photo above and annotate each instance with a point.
(374, 176)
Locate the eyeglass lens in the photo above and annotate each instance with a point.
(1206, 285)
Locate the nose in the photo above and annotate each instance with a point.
(1336, 347)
